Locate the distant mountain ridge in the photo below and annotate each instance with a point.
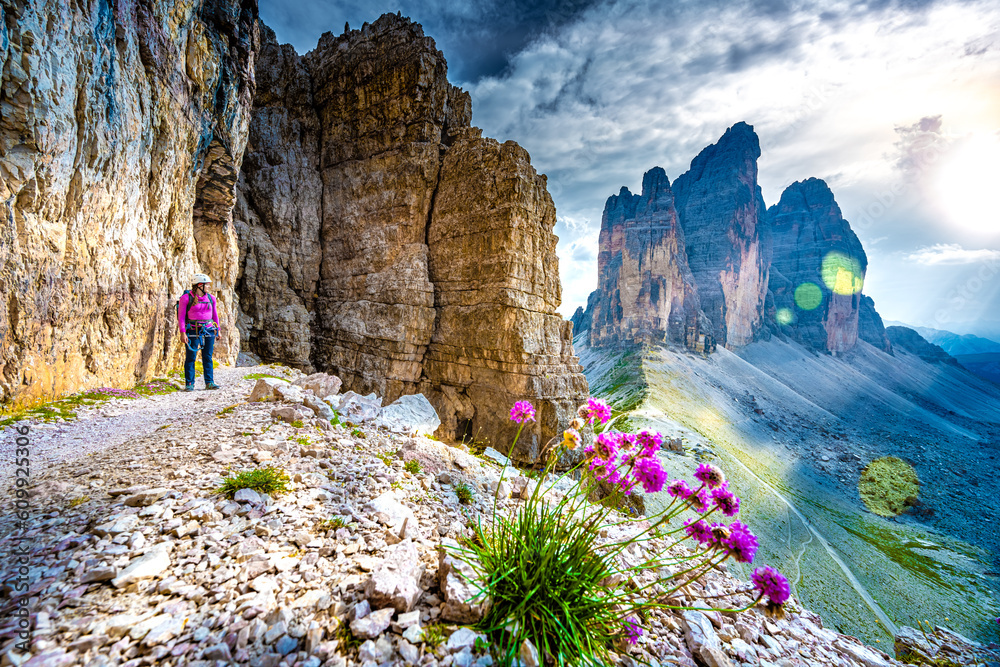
(976, 354)
(953, 343)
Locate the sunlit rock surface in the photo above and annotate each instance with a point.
(818, 268)
(721, 209)
(121, 136)
(385, 240)
(645, 289)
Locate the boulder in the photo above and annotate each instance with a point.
(150, 565)
(702, 641)
(319, 407)
(395, 581)
(287, 414)
(359, 409)
(412, 415)
(457, 580)
(264, 389)
(320, 384)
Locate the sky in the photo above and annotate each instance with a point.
(895, 104)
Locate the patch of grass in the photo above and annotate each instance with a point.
(225, 412)
(347, 643)
(395, 485)
(464, 493)
(336, 419)
(302, 440)
(76, 502)
(358, 433)
(335, 523)
(269, 480)
(261, 376)
(385, 458)
(298, 423)
(434, 636)
(413, 467)
(157, 387)
(544, 576)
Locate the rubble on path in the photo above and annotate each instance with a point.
(137, 559)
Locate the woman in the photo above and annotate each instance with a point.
(199, 323)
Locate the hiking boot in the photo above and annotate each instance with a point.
(189, 387)
(212, 385)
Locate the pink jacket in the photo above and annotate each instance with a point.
(203, 309)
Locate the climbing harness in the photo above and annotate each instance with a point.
(202, 328)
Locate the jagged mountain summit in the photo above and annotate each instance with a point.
(384, 239)
(704, 263)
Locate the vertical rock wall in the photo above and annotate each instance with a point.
(121, 137)
(645, 291)
(818, 268)
(728, 245)
(385, 240)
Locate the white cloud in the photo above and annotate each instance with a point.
(952, 253)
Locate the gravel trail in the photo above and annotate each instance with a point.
(99, 427)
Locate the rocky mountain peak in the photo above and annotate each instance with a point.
(818, 268)
(379, 233)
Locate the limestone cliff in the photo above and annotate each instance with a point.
(728, 244)
(818, 268)
(645, 289)
(384, 239)
(121, 136)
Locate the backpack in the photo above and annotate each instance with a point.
(191, 301)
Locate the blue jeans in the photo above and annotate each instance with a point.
(203, 337)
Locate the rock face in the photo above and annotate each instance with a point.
(728, 244)
(121, 137)
(818, 268)
(909, 340)
(385, 240)
(870, 326)
(645, 291)
(687, 265)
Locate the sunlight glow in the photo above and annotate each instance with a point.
(966, 183)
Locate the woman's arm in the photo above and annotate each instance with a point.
(215, 314)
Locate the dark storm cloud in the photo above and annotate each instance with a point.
(477, 39)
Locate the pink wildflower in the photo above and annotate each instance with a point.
(522, 412)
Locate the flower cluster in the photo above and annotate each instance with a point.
(632, 630)
(627, 460)
(596, 410)
(773, 584)
(522, 412)
(111, 392)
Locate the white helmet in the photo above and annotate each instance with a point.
(200, 278)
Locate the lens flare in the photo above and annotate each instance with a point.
(808, 296)
(842, 274)
(784, 316)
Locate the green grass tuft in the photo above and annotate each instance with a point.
(269, 480)
(434, 636)
(413, 467)
(261, 376)
(298, 423)
(464, 493)
(543, 571)
(335, 523)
